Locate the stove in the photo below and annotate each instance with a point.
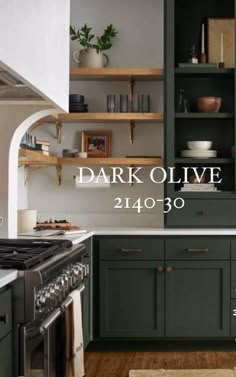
(48, 270)
(24, 254)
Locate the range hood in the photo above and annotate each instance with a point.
(12, 89)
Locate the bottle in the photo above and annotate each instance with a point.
(183, 104)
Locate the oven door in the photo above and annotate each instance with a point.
(41, 347)
(43, 344)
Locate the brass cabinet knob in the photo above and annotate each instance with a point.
(169, 269)
(4, 318)
(160, 269)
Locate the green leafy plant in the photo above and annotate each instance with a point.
(85, 37)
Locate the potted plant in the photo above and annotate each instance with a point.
(92, 54)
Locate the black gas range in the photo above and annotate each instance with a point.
(48, 270)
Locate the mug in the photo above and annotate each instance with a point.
(90, 58)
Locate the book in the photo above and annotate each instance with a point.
(52, 232)
(42, 142)
(42, 147)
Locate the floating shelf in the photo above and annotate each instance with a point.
(31, 157)
(204, 115)
(116, 74)
(132, 161)
(203, 71)
(209, 161)
(105, 117)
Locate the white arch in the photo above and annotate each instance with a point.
(13, 167)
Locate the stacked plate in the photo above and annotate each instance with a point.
(199, 149)
(76, 104)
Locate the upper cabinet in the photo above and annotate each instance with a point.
(34, 48)
(200, 106)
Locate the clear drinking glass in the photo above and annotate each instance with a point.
(136, 103)
(145, 100)
(111, 103)
(124, 103)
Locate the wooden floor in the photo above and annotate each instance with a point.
(118, 364)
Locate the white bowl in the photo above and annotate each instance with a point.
(199, 145)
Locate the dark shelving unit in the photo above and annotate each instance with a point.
(183, 20)
(204, 115)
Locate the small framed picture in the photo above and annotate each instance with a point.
(96, 143)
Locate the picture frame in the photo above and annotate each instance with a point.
(226, 27)
(96, 143)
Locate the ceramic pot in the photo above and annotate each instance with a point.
(90, 58)
(209, 104)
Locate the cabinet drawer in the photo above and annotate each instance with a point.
(131, 248)
(204, 213)
(5, 312)
(6, 361)
(190, 248)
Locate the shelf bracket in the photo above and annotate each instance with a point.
(59, 131)
(131, 132)
(59, 174)
(28, 173)
(57, 123)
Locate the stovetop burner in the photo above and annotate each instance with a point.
(24, 254)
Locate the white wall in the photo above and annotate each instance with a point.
(139, 44)
(34, 43)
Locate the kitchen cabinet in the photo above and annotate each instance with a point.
(197, 299)
(183, 293)
(202, 209)
(131, 299)
(6, 359)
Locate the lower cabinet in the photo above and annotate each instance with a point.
(197, 299)
(131, 299)
(164, 299)
(6, 356)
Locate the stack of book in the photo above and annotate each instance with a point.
(42, 146)
(189, 187)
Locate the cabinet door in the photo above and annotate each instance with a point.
(6, 356)
(131, 299)
(197, 300)
(86, 302)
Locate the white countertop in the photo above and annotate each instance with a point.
(76, 239)
(7, 276)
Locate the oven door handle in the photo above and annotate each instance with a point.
(53, 316)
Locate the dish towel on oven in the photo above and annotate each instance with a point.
(75, 346)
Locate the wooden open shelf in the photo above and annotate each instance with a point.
(105, 117)
(31, 157)
(116, 74)
(119, 161)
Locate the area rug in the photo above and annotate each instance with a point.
(184, 373)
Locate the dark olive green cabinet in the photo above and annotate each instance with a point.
(131, 299)
(197, 299)
(185, 293)
(6, 356)
(215, 208)
(6, 332)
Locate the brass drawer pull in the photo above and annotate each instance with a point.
(131, 250)
(198, 250)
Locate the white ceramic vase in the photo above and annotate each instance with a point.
(90, 58)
